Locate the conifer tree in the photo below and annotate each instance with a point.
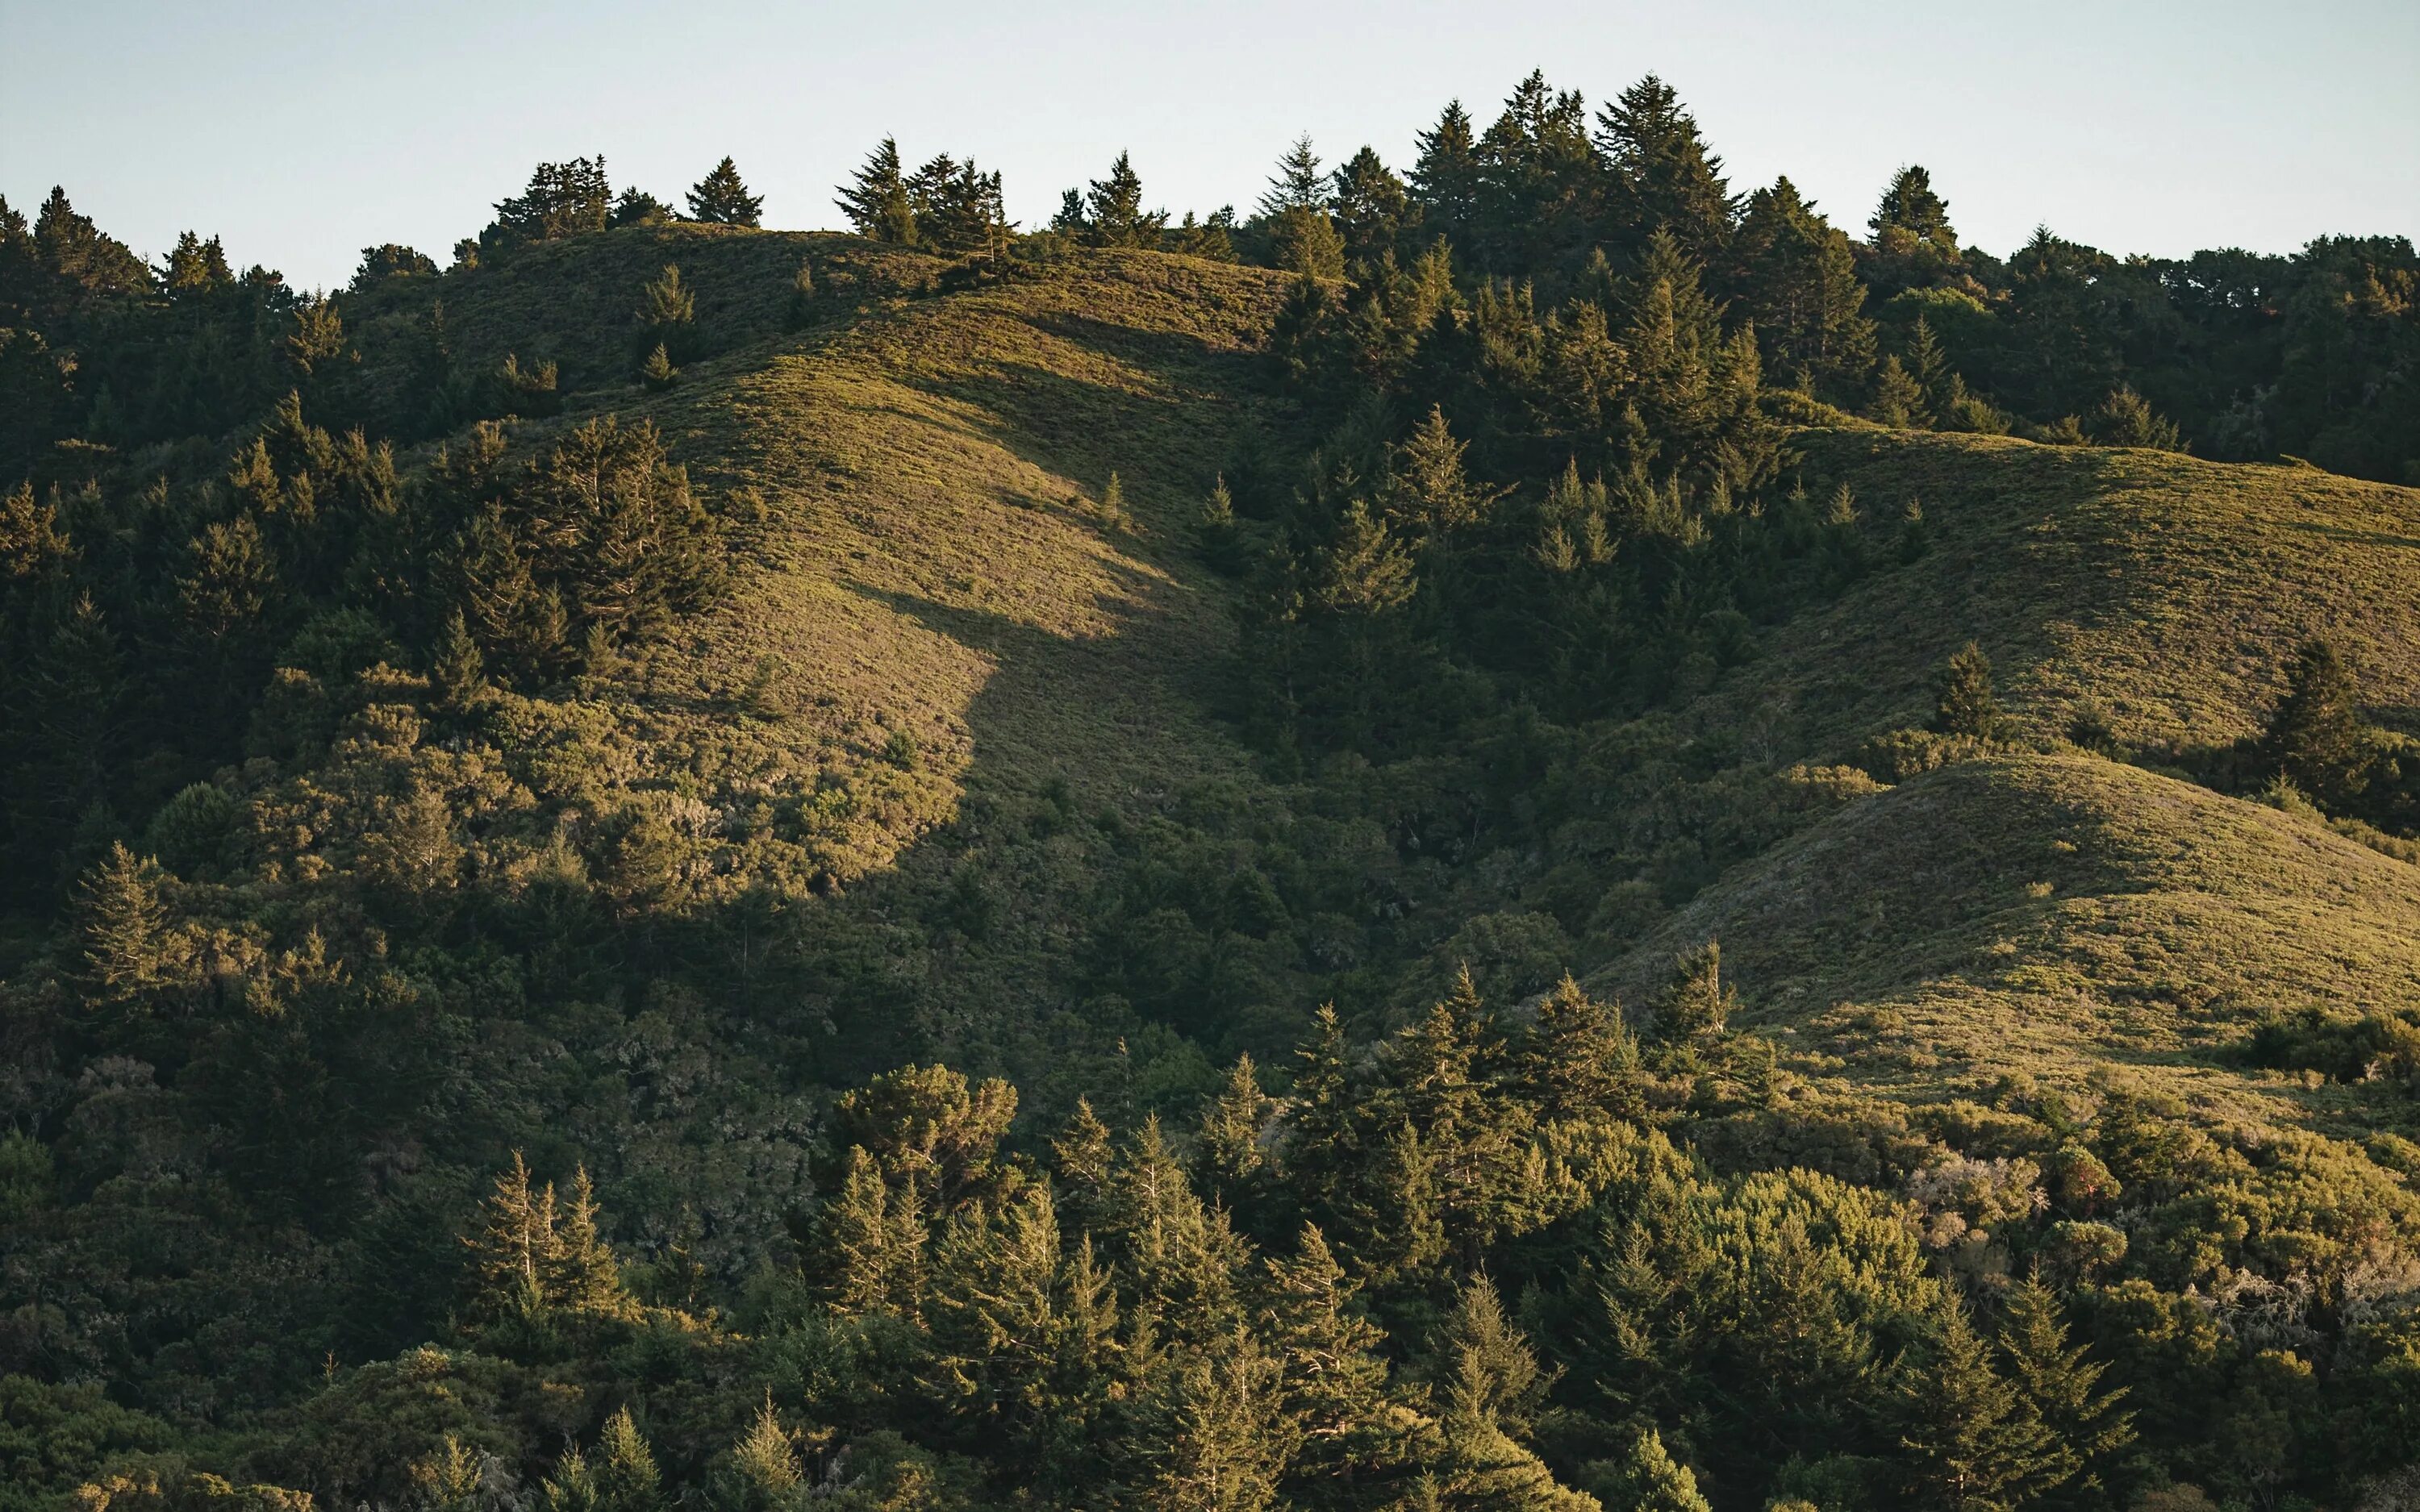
(1228, 1144)
(667, 316)
(1963, 700)
(1217, 1428)
(1899, 398)
(1082, 1160)
(1445, 176)
(1335, 1373)
(1221, 537)
(1579, 1060)
(1113, 213)
(1664, 180)
(2126, 419)
(1973, 1442)
(1298, 184)
(1322, 1150)
(657, 372)
(1492, 1388)
(1914, 244)
(1699, 1003)
(626, 1474)
(636, 207)
(584, 1275)
(2087, 1429)
(719, 198)
(1370, 205)
(1646, 1478)
(1799, 280)
(2316, 735)
(875, 199)
(126, 943)
(515, 1253)
(765, 1465)
(871, 1244)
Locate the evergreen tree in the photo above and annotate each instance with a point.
(1899, 398)
(1964, 701)
(562, 199)
(719, 198)
(667, 313)
(1083, 1161)
(870, 1242)
(626, 1474)
(636, 207)
(1305, 242)
(2061, 1387)
(875, 199)
(1370, 205)
(2125, 419)
(1445, 176)
(657, 372)
(1914, 244)
(1227, 1146)
(1664, 177)
(1699, 1003)
(2316, 736)
(1974, 1444)
(1219, 1435)
(1491, 1388)
(1579, 1062)
(1113, 213)
(127, 947)
(1335, 1376)
(1298, 184)
(765, 1466)
(1799, 280)
(195, 267)
(585, 1276)
(1646, 1479)
(515, 1253)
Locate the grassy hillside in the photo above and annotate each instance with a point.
(2168, 592)
(2060, 917)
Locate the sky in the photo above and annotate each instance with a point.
(302, 133)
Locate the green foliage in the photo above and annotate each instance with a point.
(721, 199)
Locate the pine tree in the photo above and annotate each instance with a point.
(875, 199)
(1322, 1150)
(1579, 1062)
(636, 207)
(2126, 419)
(1899, 398)
(1304, 240)
(1974, 1444)
(720, 199)
(1492, 1388)
(1698, 1005)
(2316, 736)
(1370, 205)
(870, 1242)
(195, 267)
(765, 1465)
(584, 1275)
(1915, 246)
(1227, 1146)
(1799, 280)
(657, 372)
(1646, 1478)
(1445, 176)
(515, 1253)
(127, 948)
(626, 1474)
(667, 318)
(1664, 180)
(1298, 184)
(1113, 213)
(1218, 1432)
(1082, 1161)
(1964, 701)
(2062, 1388)
(1221, 537)
(1335, 1373)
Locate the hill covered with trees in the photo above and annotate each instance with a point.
(1523, 834)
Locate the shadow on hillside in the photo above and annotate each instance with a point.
(2338, 532)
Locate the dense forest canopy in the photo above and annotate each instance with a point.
(1525, 831)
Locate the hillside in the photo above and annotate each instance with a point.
(682, 791)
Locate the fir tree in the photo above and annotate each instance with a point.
(764, 1466)
(1219, 1435)
(636, 207)
(515, 1253)
(1228, 1145)
(1370, 205)
(1298, 184)
(1963, 703)
(1221, 537)
(1579, 1060)
(2061, 1387)
(1492, 1388)
(870, 1242)
(1335, 1374)
(1113, 213)
(193, 266)
(1665, 179)
(1445, 176)
(2316, 736)
(1646, 1478)
(2125, 419)
(584, 1276)
(1082, 1160)
(719, 198)
(1799, 280)
(1974, 1444)
(1698, 1005)
(626, 1474)
(1899, 398)
(875, 199)
(125, 941)
(657, 372)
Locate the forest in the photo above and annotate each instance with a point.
(1529, 831)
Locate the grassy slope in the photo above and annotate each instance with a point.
(2052, 915)
(2172, 591)
(2055, 913)
(916, 479)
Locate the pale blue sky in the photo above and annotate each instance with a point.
(301, 132)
